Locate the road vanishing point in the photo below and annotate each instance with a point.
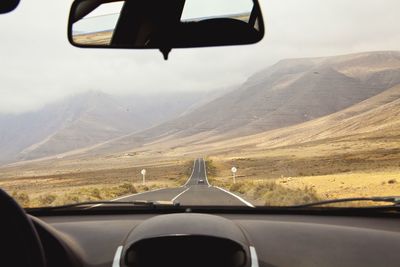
(197, 191)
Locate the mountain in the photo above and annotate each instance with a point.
(84, 120)
(288, 94)
(376, 119)
(291, 92)
(295, 91)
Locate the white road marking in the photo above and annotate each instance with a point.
(205, 172)
(194, 166)
(177, 196)
(141, 193)
(253, 256)
(232, 194)
(136, 194)
(117, 257)
(116, 199)
(180, 194)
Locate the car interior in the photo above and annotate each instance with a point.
(151, 233)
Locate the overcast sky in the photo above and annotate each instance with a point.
(38, 65)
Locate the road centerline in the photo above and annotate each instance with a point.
(197, 191)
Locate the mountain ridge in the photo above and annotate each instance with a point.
(84, 120)
(289, 93)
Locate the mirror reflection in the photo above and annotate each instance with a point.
(164, 24)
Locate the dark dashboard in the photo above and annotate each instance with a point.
(199, 239)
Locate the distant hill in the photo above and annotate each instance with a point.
(84, 120)
(291, 92)
(292, 101)
(377, 118)
(295, 91)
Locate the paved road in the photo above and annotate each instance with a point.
(193, 192)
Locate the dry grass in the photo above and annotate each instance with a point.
(211, 169)
(273, 194)
(315, 159)
(326, 169)
(74, 196)
(354, 184)
(74, 187)
(275, 183)
(262, 192)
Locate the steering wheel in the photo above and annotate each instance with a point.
(19, 242)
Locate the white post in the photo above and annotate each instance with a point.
(143, 172)
(234, 170)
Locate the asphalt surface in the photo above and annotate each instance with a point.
(196, 191)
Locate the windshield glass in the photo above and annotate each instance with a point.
(311, 113)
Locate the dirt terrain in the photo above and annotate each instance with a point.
(35, 188)
(337, 176)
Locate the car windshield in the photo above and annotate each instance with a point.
(310, 113)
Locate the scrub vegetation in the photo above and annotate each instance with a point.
(271, 182)
(273, 194)
(75, 187)
(211, 169)
(270, 193)
(74, 196)
(262, 192)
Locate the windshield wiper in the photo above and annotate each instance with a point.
(94, 204)
(394, 200)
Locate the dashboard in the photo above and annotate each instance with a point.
(237, 240)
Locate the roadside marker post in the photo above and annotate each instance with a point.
(143, 172)
(234, 170)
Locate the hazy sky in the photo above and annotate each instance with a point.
(38, 65)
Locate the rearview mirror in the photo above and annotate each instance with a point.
(8, 5)
(164, 24)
